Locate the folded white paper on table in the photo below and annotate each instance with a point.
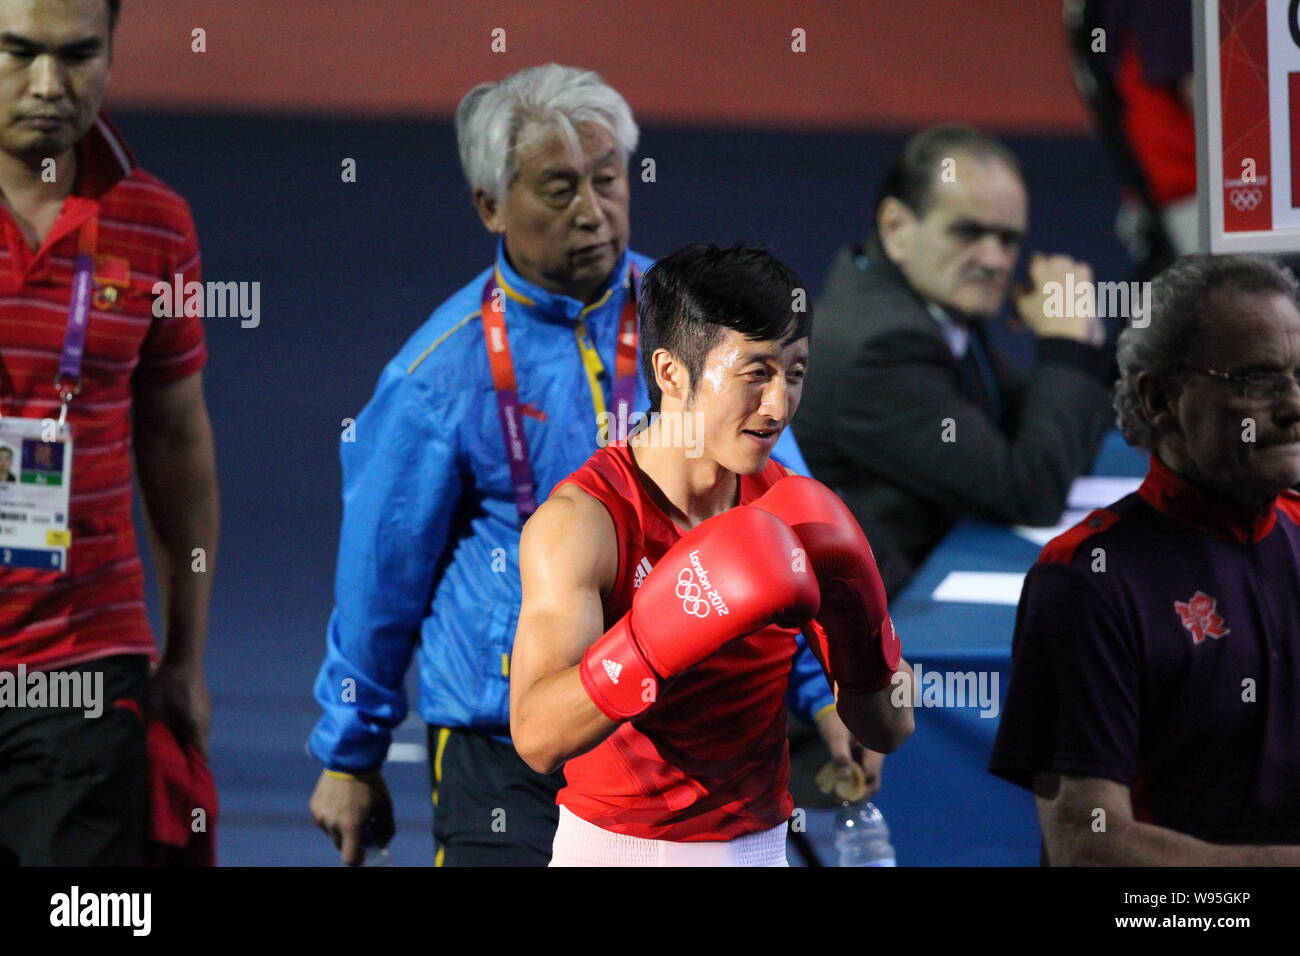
(1098, 491)
(1040, 536)
(980, 587)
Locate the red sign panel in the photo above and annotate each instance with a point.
(1243, 66)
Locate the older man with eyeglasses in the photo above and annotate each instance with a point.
(1153, 706)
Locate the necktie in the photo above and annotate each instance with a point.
(978, 380)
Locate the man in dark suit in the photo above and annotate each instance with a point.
(912, 417)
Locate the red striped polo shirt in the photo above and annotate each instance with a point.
(146, 234)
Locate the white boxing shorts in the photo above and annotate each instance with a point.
(579, 843)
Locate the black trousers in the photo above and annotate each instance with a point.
(490, 808)
(74, 789)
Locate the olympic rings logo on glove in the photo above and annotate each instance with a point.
(691, 594)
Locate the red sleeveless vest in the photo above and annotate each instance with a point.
(709, 761)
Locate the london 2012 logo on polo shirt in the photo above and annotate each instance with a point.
(1200, 617)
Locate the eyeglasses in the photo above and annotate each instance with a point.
(1256, 386)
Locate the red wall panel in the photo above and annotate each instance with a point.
(869, 63)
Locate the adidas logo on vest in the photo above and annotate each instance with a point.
(642, 569)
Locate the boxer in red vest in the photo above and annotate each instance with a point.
(665, 581)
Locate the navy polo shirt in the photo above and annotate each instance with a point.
(1157, 644)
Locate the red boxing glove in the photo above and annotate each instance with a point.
(853, 631)
(728, 577)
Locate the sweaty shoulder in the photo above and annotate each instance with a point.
(574, 530)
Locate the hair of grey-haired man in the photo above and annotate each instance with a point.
(491, 116)
(1179, 309)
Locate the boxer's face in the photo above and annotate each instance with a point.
(53, 73)
(1208, 424)
(6, 461)
(565, 218)
(746, 395)
(962, 253)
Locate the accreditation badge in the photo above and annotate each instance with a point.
(35, 489)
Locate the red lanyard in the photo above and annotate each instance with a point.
(509, 408)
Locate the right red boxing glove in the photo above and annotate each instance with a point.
(727, 577)
(853, 630)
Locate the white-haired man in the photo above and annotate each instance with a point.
(1152, 706)
(499, 396)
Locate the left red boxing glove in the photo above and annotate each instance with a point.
(725, 578)
(855, 635)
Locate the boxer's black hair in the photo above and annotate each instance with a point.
(692, 296)
(910, 177)
(114, 8)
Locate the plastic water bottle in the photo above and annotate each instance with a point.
(861, 837)
(377, 856)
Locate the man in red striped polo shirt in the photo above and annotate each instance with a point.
(89, 375)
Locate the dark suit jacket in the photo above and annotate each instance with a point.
(882, 388)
